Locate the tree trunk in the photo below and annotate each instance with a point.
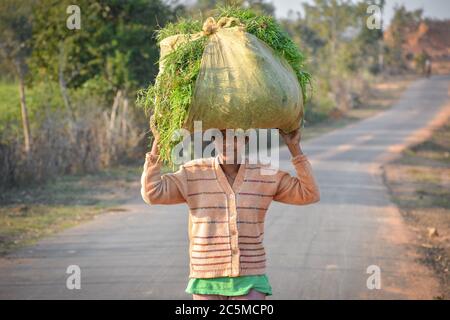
(63, 83)
(381, 41)
(112, 122)
(115, 106)
(123, 120)
(24, 111)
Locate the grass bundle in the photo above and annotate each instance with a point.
(170, 96)
(269, 31)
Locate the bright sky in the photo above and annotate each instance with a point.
(432, 8)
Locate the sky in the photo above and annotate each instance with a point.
(432, 8)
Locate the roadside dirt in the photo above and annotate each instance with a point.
(419, 183)
(28, 214)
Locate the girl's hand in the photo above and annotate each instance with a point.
(153, 128)
(291, 138)
(155, 148)
(292, 141)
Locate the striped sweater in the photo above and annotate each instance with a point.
(226, 223)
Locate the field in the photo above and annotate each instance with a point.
(10, 103)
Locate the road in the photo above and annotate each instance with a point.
(321, 251)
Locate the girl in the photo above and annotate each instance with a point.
(227, 206)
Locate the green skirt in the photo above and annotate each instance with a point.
(229, 286)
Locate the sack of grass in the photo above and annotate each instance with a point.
(236, 70)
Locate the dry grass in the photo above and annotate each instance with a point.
(420, 184)
(93, 141)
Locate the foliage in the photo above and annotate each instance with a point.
(182, 26)
(343, 51)
(400, 26)
(115, 42)
(15, 34)
(170, 96)
(114, 51)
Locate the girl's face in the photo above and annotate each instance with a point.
(231, 148)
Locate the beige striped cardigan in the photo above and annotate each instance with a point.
(226, 223)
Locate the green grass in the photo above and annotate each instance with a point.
(169, 98)
(171, 95)
(182, 26)
(36, 97)
(9, 103)
(268, 30)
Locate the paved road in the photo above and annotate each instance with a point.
(320, 251)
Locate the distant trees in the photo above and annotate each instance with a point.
(205, 6)
(15, 49)
(343, 52)
(94, 72)
(369, 42)
(401, 25)
(112, 55)
(114, 51)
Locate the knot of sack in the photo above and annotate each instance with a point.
(211, 26)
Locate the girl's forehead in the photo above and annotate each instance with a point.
(230, 134)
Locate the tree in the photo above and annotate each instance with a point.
(402, 23)
(340, 48)
(331, 19)
(115, 46)
(59, 54)
(15, 48)
(370, 41)
(112, 55)
(207, 6)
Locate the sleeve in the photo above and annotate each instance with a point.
(169, 188)
(301, 189)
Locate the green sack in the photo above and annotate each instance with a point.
(242, 82)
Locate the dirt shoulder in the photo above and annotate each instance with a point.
(419, 183)
(28, 214)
